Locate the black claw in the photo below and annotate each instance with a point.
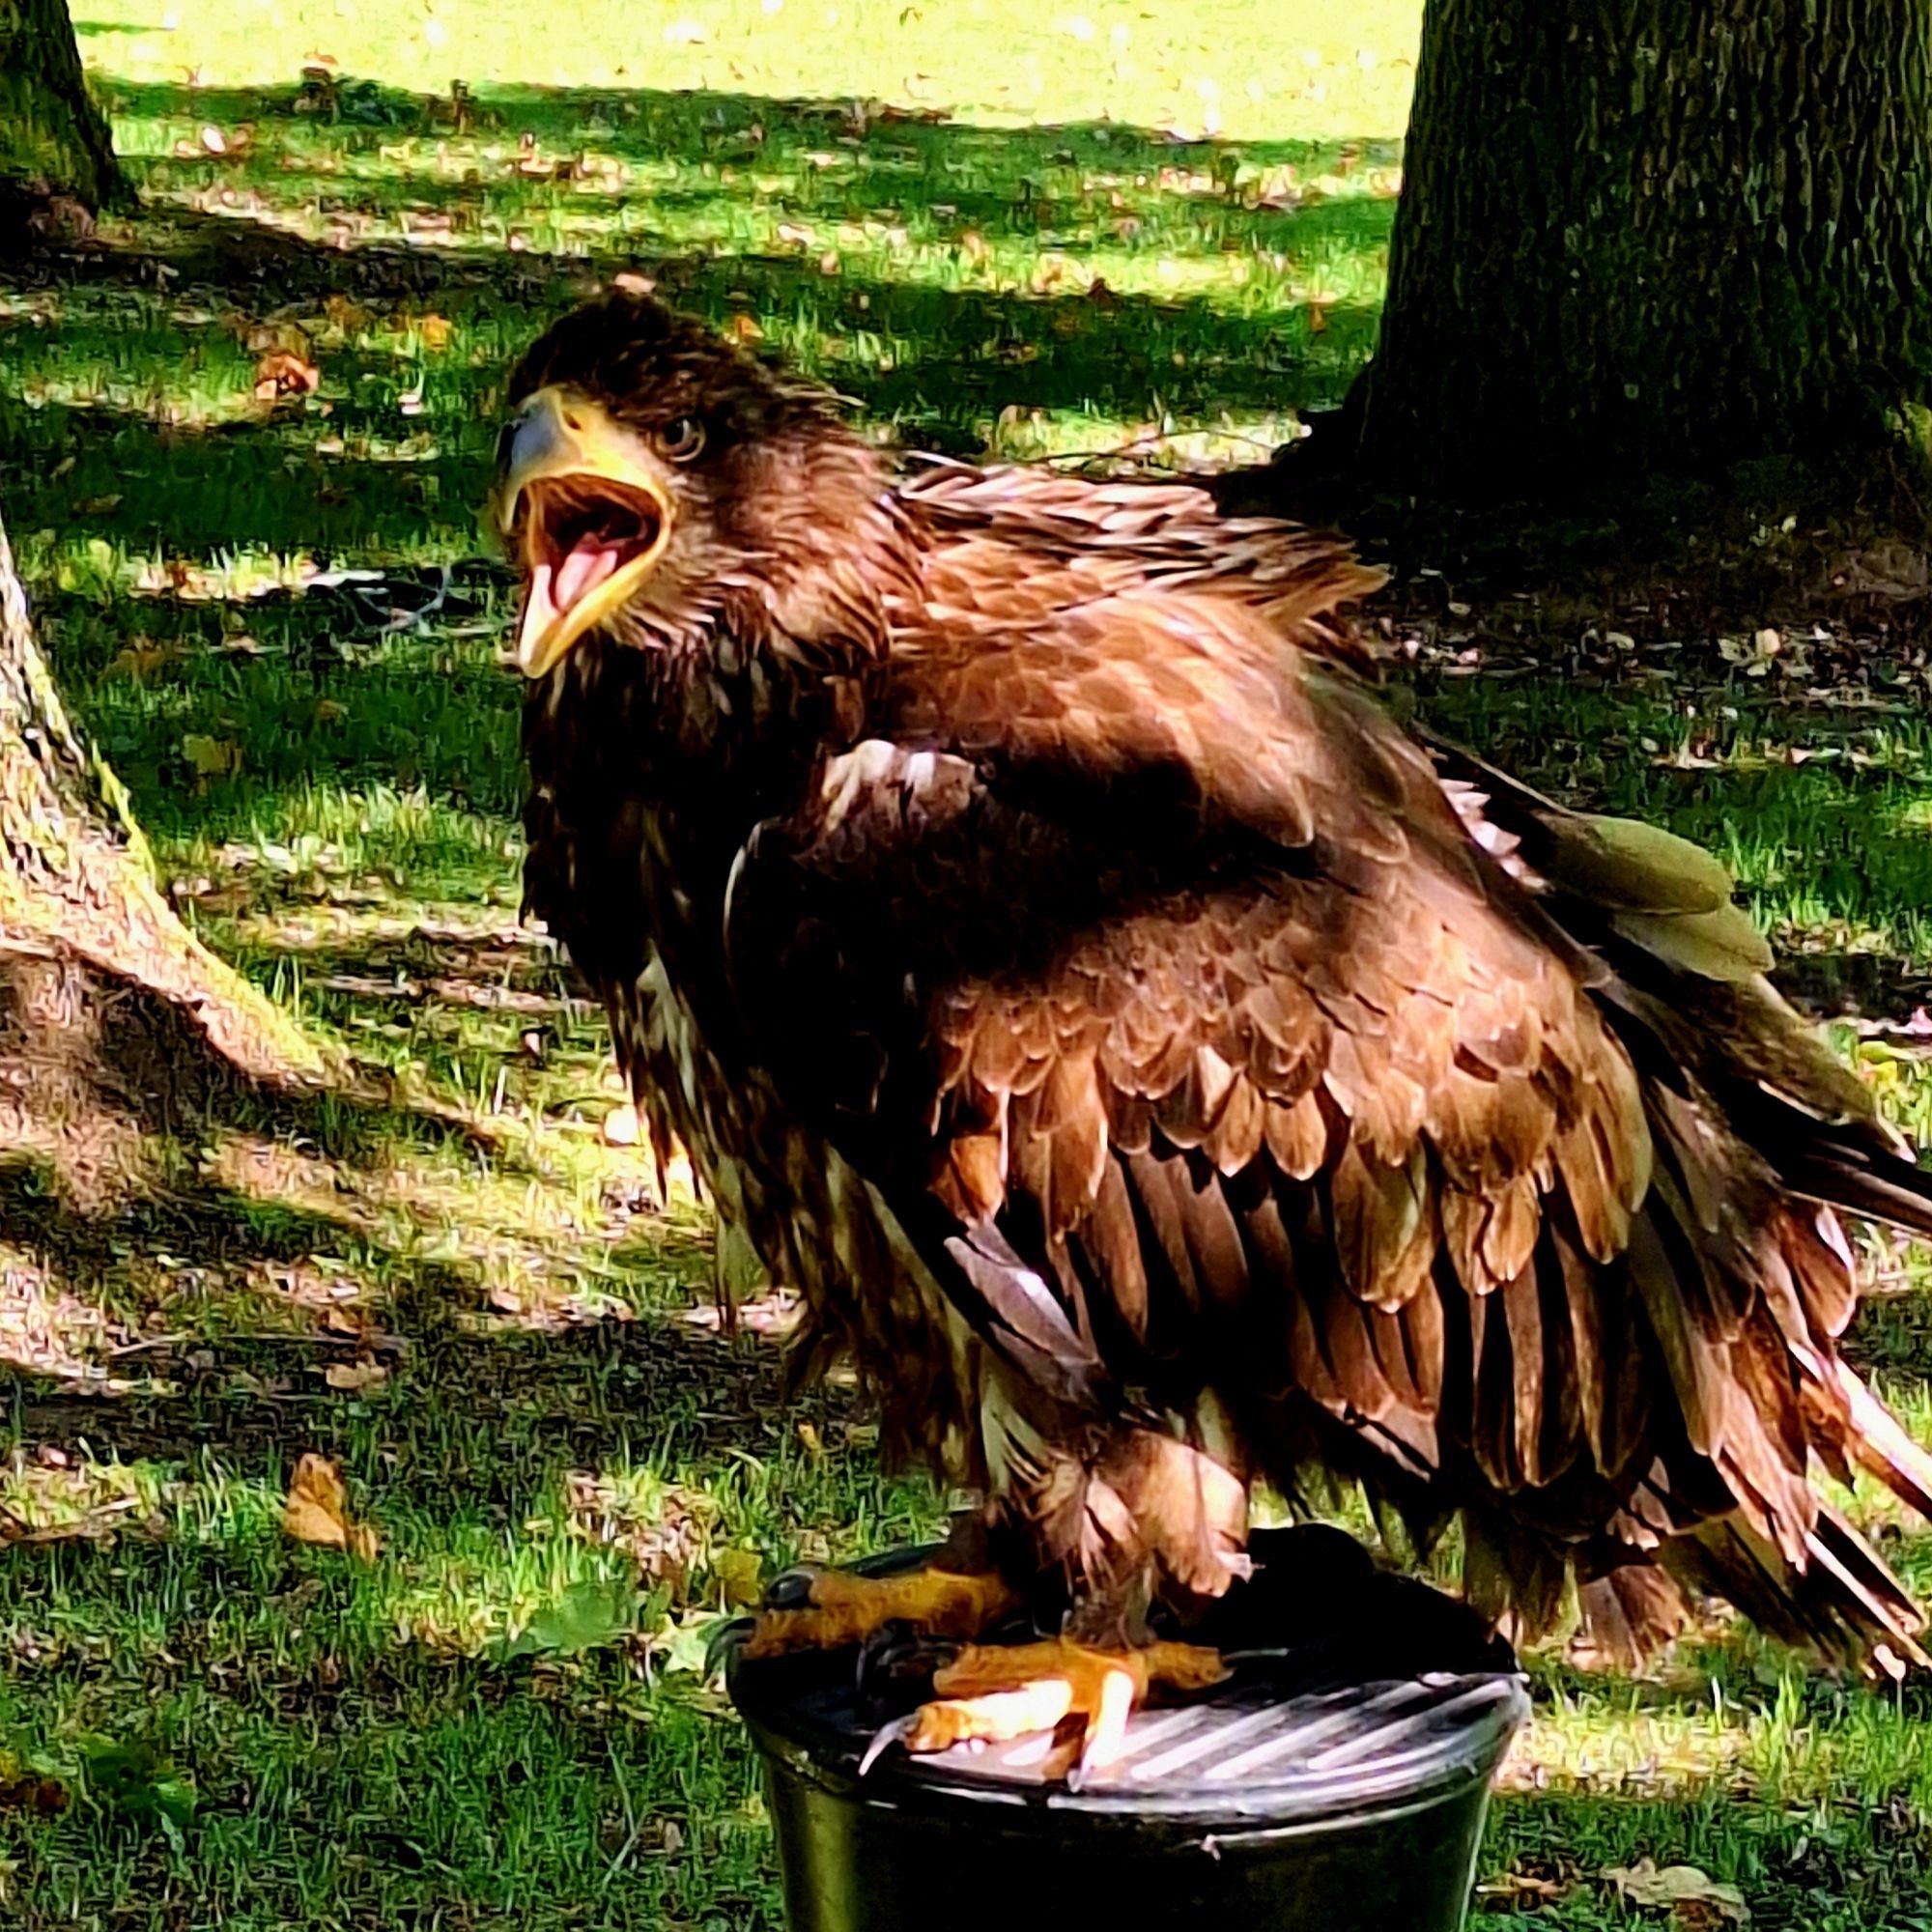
(790, 1590)
(722, 1640)
(894, 1670)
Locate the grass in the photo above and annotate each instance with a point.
(996, 229)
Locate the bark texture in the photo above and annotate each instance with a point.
(114, 1020)
(53, 139)
(1654, 233)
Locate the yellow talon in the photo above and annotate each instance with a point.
(994, 1692)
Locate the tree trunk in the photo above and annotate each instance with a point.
(53, 139)
(115, 1022)
(1654, 235)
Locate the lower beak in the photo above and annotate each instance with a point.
(562, 446)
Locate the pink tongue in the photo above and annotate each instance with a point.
(580, 572)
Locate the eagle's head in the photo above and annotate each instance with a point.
(661, 488)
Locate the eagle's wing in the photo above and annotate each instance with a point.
(1153, 977)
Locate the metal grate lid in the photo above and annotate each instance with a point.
(1344, 1714)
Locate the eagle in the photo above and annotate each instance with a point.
(1159, 1071)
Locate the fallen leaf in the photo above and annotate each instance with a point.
(330, 711)
(284, 373)
(136, 1780)
(1521, 1884)
(24, 1791)
(317, 1510)
(738, 1573)
(140, 661)
(355, 1377)
(589, 1615)
(99, 506)
(1692, 1894)
(621, 1127)
(436, 331)
(211, 758)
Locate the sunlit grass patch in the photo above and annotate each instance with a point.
(1248, 72)
(244, 485)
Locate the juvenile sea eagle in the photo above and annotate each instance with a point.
(1155, 1068)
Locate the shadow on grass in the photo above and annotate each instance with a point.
(926, 155)
(280, 481)
(910, 321)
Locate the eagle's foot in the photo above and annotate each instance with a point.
(841, 1608)
(990, 1693)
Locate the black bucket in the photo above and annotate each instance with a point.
(1336, 1783)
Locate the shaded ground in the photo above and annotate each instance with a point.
(274, 612)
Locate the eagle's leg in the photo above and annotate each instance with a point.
(1081, 1693)
(842, 1608)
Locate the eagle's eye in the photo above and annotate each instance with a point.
(682, 439)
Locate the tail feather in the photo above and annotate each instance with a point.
(1764, 1137)
(1871, 1183)
(1870, 1437)
(1844, 1604)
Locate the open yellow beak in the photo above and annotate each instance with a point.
(583, 506)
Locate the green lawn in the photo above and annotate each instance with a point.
(995, 227)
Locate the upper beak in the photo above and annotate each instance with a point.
(559, 448)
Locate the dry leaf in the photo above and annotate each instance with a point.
(140, 661)
(29, 1792)
(98, 506)
(317, 1510)
(283, 372)
(436, 331)
(621, 1127)
(355, 1375)
(1521, 1884)
(1678, 1886)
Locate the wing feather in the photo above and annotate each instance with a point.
(1209, 1015)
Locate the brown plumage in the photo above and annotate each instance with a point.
(1155, 1068)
